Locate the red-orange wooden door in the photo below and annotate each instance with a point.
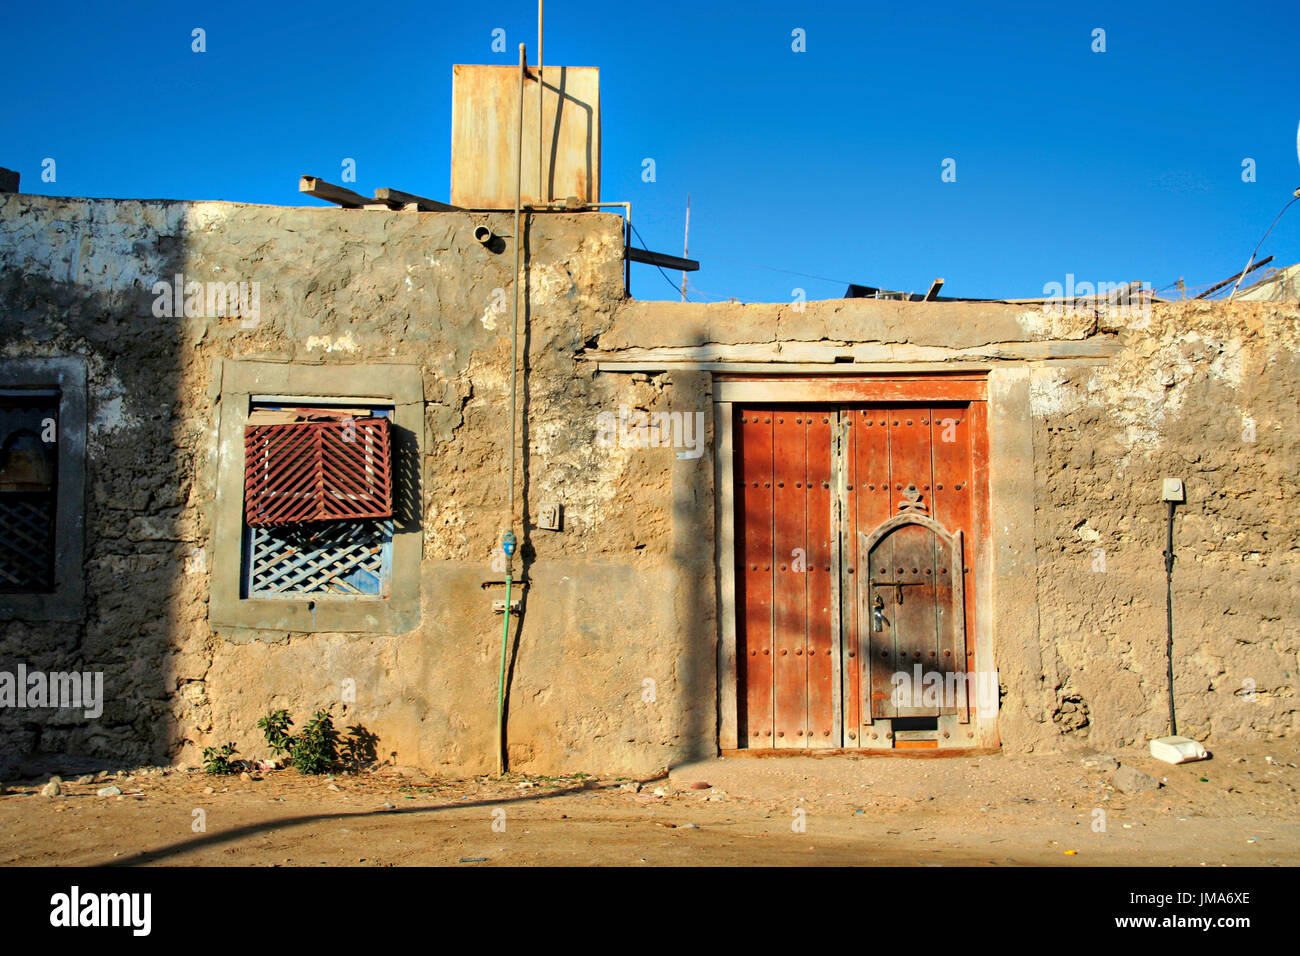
(932, 449)
(785, 577)
(809, 479)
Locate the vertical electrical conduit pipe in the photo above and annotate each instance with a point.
(508, 538)
(543, 194)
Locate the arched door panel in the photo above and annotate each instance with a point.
(914, 612)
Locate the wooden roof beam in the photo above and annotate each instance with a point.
(397, 197)
(317, 188)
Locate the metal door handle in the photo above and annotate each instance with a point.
(898, 588)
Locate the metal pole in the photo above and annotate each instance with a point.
(686, 242)
(514, 369)
(1296, 195)
(1169, 615)
(543, 194)
(519, 242)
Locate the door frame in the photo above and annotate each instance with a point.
(1002, 480)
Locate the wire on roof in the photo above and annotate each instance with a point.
(710, 295)
(805, 275)
(645, 245)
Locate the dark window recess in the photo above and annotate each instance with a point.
(916, 728)
(318, 502)
(28, 490)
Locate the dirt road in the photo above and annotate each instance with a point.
(1238, 808)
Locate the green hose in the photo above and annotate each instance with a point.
(501, 684)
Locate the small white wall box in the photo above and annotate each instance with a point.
(1177, 750)
(499, 605)
(549, 516)
(1172, 490)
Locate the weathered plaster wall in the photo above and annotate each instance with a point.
(625, 593)
(1111, 403)
(1206, 393)
(343, 288)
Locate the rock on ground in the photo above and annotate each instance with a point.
(1129, 780)
(1102, 762)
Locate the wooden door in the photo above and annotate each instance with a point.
(829, 500)
(787, 641)
(915, 477)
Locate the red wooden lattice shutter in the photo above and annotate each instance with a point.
(317, 471)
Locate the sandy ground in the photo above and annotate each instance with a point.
(1238, 808)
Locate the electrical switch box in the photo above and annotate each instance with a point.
(549, 516)
(1173, 490)
(499, 605)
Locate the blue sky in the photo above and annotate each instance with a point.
(1112, 166)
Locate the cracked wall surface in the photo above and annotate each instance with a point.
(615, 664)
(1207, 393)
(340, 289)
(1119, 398)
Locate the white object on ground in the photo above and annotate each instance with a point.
(1177, 750)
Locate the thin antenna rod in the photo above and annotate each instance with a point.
(686, 242)
(1260, 243)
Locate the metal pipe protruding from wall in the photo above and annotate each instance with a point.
(483, 234)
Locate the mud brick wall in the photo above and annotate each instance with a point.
(1113, 401)
(1208, 393)
(341, 288)
(615, 665)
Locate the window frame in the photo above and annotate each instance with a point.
(398, 386)
(66, 600)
